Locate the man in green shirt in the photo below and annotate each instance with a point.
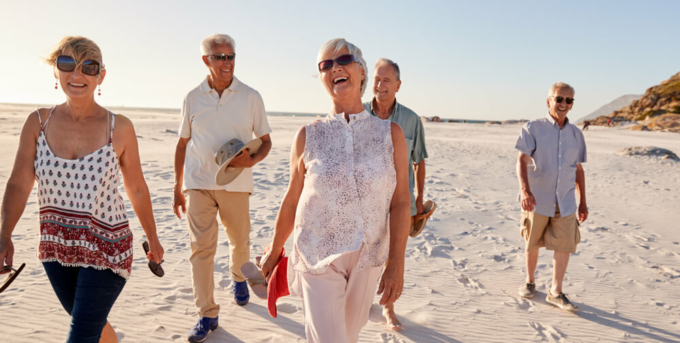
(386, 83)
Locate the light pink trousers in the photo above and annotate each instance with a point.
(337, 302)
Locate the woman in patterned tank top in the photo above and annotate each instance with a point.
(348, 204)
(76, 152)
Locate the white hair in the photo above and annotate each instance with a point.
(559, 85)
(389, 62)
(209, 42)
(336, 45)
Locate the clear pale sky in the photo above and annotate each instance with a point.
(489, 60)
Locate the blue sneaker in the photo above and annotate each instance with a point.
(200, 332)
(241, 294)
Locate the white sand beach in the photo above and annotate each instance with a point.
(462, 273)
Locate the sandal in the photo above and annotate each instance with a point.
(155, 268)
(11, 277)
(255, 279)
(419, 220)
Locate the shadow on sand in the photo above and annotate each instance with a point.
(617, 321)
(633, 327)
(281, 321)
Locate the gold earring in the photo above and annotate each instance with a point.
(100, 90)
(55, 85)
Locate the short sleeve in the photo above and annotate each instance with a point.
(185, 120)
(260, 123)
(526, 143)
(582, 153)
(419, 152)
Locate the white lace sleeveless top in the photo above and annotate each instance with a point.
(348, 189)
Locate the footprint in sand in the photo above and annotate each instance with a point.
(547, 332)
(460, 264)
(469, 282)
(390, 338)
(520, 304)
(666, 271)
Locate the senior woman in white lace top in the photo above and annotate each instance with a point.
(348, 204)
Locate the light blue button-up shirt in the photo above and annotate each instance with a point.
(555, 154)
(414, 133)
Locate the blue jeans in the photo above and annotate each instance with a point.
(87, 294)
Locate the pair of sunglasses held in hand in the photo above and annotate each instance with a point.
(155, 268)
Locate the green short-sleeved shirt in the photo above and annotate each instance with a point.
(414, 133)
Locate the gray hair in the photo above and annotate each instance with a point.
(215, 39)
(559, 85)
(389, 62)
(336, 45)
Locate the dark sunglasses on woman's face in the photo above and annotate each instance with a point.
(342, 60)
(568, 100)
(68, 64)
(223, 57)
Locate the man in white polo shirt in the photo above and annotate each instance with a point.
(221, 108)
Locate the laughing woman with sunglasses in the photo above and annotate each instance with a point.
(75, 152)
(348, 204)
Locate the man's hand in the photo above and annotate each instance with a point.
(156, 251)
(582, 212)
(420, 209)
(177, 202)
(528, 201)
(243, 159)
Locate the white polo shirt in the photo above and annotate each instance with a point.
(210, 121)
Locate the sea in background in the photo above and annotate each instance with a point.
(162, 110)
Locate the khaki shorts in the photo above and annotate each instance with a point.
(557, 233)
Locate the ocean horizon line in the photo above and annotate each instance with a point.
(177, 110)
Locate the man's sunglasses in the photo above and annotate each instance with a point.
(568, 100)
(13, 273)
(223, 57)
(68, 64)
(343, 60)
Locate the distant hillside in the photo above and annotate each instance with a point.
(617, 104)
(657, 110)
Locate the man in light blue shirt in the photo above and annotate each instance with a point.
(386, 83)
(551, 151)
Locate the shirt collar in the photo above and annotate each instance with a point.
(235, 85)
(395, 110)
(552, 120)
(353, 118)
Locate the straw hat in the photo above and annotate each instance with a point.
(227, 153)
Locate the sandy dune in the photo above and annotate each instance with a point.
(462, 273)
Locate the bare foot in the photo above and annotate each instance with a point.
(108, 334)
(391, 317)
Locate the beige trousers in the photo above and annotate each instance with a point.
(202, 209)
(337, 302)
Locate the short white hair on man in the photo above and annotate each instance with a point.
(559, 85)
(336, 45)
(209, 42)
(389, 62)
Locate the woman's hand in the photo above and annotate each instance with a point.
(155, 250)
(269, 261)
(6, 253)
(392, 281)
